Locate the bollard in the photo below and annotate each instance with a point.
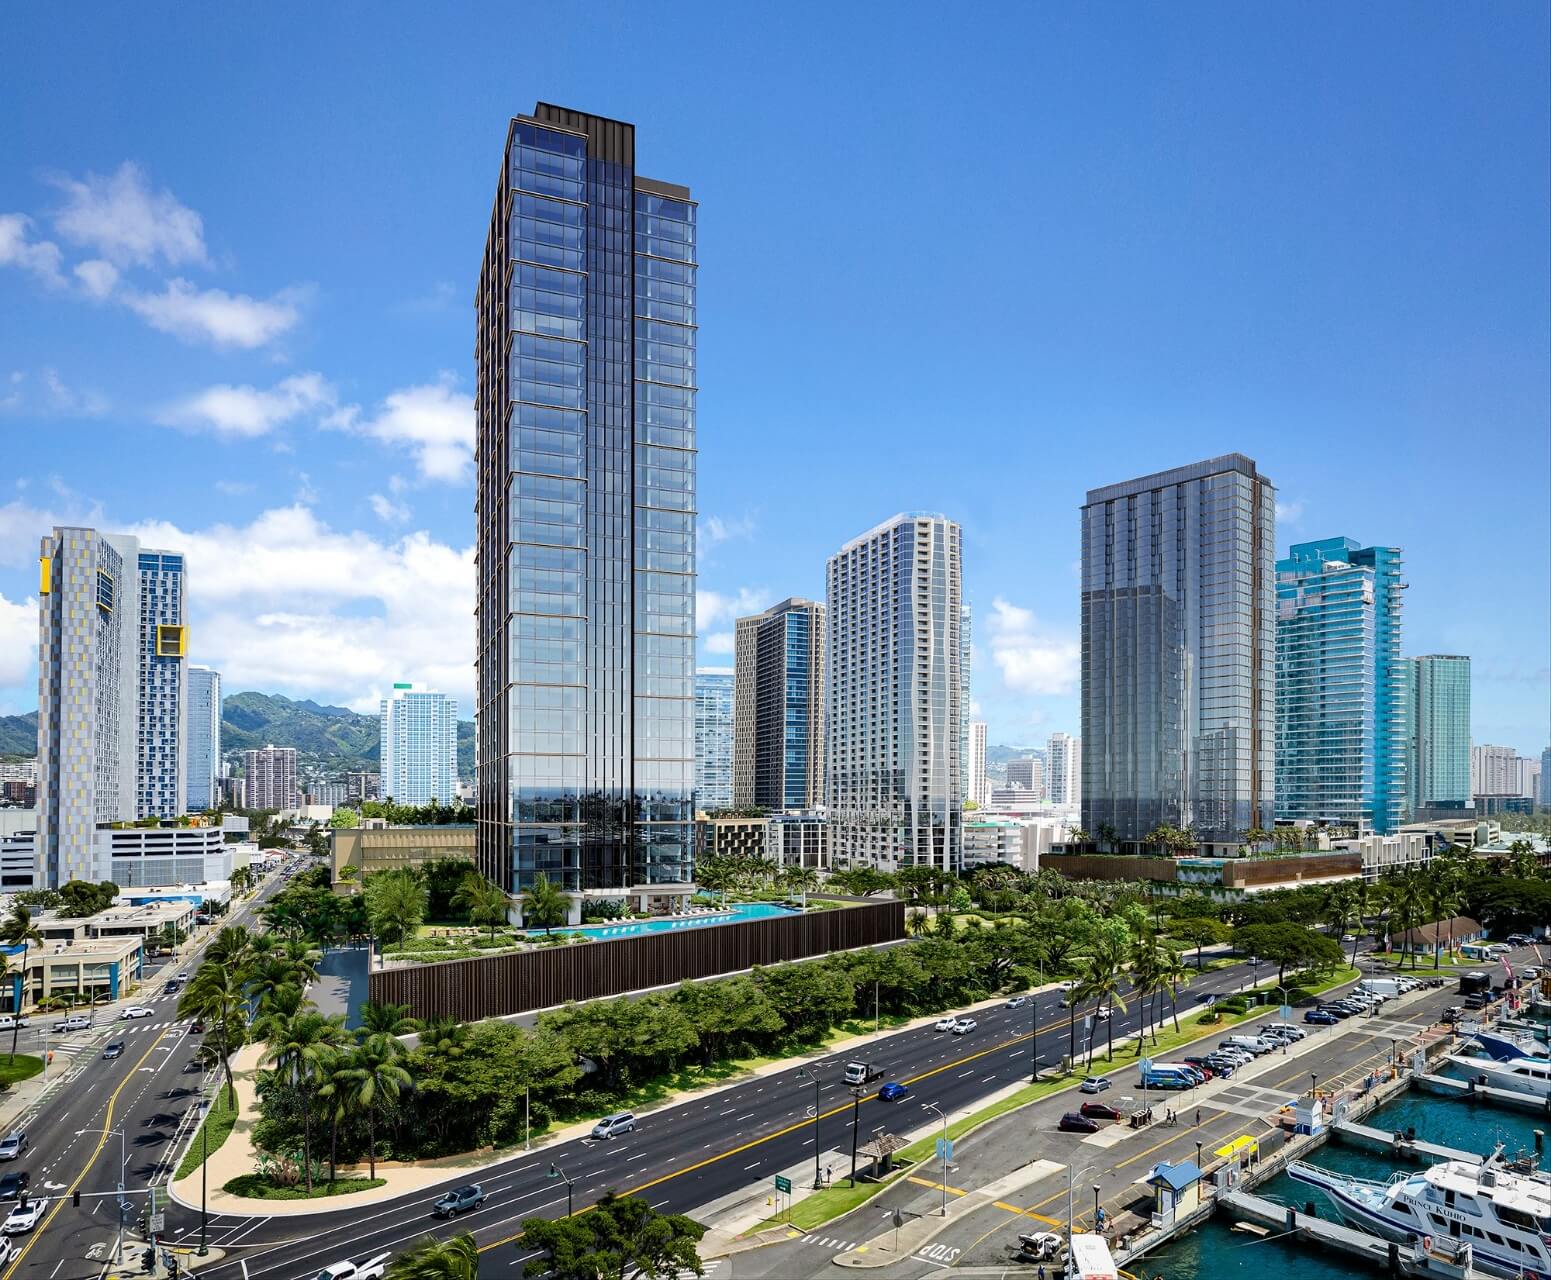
(1292, 1219)
(1540, 1139)
(1410, 1133)
(1309, 1209)
(1394, 1259)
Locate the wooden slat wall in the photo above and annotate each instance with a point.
(515, 983)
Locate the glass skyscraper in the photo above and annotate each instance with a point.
(204, 738)
(417, 738)
(1440, 732)
(1178, 653)
(713, 739)
(778, 747)
(893, 724)
(1341, 709)
(585, 354)
(161, 758)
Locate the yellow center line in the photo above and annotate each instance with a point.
(102, 1141)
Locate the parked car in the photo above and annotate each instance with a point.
(1094, 1084)
(24, 1217)
(1017, 1002)
(459, 1200)
(1076, 1122)
(964, 1026)
(1224, 1067)
(13, 1184)
(1453, 1013)
(1321, 1017)
(1519, 940)
(893, 1091)
(13, 1144)
(75, 1022)
(1201, 1065)
(114, 1049)
(136, 1011)
(1099, 1111)
(944, 1024)
(8, 1021)
(614, 1125)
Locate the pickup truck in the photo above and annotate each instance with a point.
(371, 1269)
(75, 1022)
(459, 1200)
(862, 1072)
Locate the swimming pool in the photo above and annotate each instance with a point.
(668, 924)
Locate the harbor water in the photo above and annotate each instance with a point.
(1218, 1251)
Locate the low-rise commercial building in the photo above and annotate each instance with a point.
(82, 969)
(797, 839)
(382, 848)
(1382, 855)
(139, 857)
(1018, 842)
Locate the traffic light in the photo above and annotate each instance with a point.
(148, 1260)
(75, 1198)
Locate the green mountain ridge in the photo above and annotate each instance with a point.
(19, 735)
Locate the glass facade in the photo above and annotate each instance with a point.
(1178, 687)
(893, 724)
(204, 738)
(779, 707)
(713, 739)
(585, 512)
(1440, 731)
(161, 725)
(1340, 707)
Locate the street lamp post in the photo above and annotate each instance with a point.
(1069, 1215)
(204, 1174)
(555, 1171)
(1096, 1210)
(805, 1074)
(1034, 1034)
(123, 1160)
(856, 1123)
(932, 1106)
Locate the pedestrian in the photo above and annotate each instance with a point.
(1198, 1115)
(828, 1170)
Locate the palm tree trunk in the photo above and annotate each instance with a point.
(371, 1140)
(1174, 1006)
(21, 1000)
(334, 1146)
(307, 1137)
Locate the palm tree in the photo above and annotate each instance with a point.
(385, 1020)
(338, 1099)
(916, 922)
(374, 1074)
(433, 1259)
(1444, 899)
(544, 905)
(272, 985)
(1145, 981)
(446, 1036)
(483, 900)
(20, 931)
(1174, 972)
(299, 1044)
(395, 902)
(216, 996)
(303, 959)
(230, 949)
(1099, 981)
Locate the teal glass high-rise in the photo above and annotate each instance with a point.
(1341, 686)
(585, 557)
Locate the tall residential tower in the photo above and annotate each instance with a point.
(417, 734)
(1341, 709)
(1440, 734)
(1178, 649)
(713, 738)
(585, 511)
(204, 738)
(893, 723)
(778, 709)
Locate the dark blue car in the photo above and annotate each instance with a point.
(1321, 1017)
(893, 1091)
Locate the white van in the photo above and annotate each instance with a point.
(1252, 1044)
(613, 1126)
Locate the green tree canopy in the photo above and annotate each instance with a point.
(621, 1236)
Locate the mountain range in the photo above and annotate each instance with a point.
(337, 738)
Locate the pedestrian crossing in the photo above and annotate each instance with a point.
(838, 1244)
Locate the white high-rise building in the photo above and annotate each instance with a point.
(419, 745)
(204, 738)
(1063, 769)
(112, 693)
(1027, 772)
(1494, 771)
(270, 779)
(977, 763)
(894, 727)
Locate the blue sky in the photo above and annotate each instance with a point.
(975, 265)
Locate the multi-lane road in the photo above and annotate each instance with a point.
(681, 1158)
(132, 1109)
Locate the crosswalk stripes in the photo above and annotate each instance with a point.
(829, 1242)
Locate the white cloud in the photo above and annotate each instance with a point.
(247, 411)
(122, 219)
(720, 642)
(233, 488)
(22, 525)
(1030, 658)
(215, 316)
(71, 400)
(18, 640)
(388, 511)
(40, 257)
(433, 422)
(1288, 512)
(712, 531)
(97, 277)
(288, 604)
(713, 607)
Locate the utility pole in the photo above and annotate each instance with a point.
(856, 1123)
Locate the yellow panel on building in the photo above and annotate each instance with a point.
(45, 575)
(171, 641)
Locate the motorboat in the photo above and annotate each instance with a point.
(1502, 1045)
(1520, 1075)
(1503, 1215)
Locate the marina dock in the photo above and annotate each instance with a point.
(1466, 1089)
(1399, 1144)
(1245, 1206)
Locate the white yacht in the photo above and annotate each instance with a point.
(1504, 1216)
(1522, 1075)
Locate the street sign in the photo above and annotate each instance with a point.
(1286, 1013)
(945, 1148)
(157, 1223)
(783, 1184)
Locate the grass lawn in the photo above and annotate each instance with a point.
(216, 1129)
(22, 1067)
(257, 1187)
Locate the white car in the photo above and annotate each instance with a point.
(8, 1022)
(964, 1026)
(136, 1011)
(24, 1217)
(1103, 1014)
(944, 1024)
(1094, 1084)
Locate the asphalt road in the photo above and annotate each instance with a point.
(145, 1095)
(680, 1158)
